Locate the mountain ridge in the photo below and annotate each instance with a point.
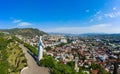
(26, 32)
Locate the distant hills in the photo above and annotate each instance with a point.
(27, 32)
(84, 34)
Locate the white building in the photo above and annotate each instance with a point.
(63, 40)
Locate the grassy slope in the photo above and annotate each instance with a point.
(25, 32)
(12, 59)
(15, 58)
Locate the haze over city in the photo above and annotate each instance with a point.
(62, 16)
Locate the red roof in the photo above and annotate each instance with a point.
(94, 71)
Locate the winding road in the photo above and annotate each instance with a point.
(33, 67)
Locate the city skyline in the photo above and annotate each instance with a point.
(62, 16)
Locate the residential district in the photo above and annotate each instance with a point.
(84, 51)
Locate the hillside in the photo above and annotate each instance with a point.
(12, 59)
(27, 32)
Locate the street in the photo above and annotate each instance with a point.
(33, 67)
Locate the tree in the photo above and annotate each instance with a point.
(57, 67)
(48, 48)
(71, 64)
(93, 66)
(102, 70)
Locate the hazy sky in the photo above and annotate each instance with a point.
(64, 16)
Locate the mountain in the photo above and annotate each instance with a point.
(27, 32)
(63, 34)
(84, 34)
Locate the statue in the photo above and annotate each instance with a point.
(40, 48)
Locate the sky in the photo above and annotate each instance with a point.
(62, 16)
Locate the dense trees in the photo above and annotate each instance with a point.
(61, 44)
(48, 48)
(71, 64)
(58, 68)
(101, 70)
(31, 48)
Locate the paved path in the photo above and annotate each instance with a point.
(32, 68)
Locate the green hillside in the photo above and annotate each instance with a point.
(12, 59)
(27, 32)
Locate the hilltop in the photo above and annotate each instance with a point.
(26, 32)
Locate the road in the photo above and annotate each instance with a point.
(33, 67)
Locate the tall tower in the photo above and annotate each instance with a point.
(40, 48)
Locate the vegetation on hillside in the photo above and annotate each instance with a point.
(31, 48)
(57, 67)
(3, 57)
(12, 59)
(25, 32)
(15, 58)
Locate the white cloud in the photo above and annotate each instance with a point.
(101, 25)
(113, 14)
(87, 10)
(100, 28)
(100, 17)
(91, 20)
(114, 8)
(24, 24)
(96, 16)
(97, 13)
(16, 21)
(21, 23)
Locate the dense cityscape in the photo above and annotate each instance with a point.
(87, 52)
(59, 36)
